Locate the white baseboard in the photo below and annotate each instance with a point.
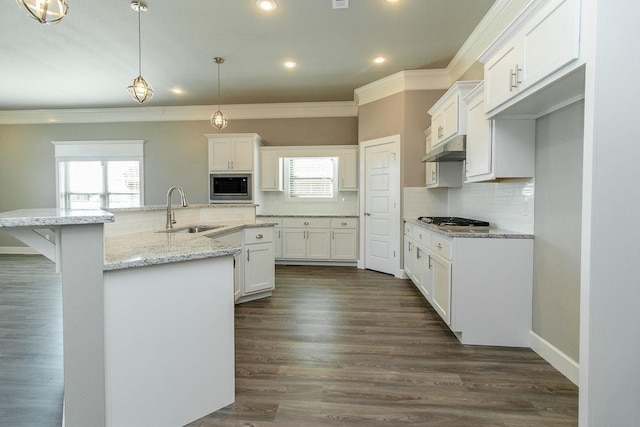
(563, 363)
(17, 250)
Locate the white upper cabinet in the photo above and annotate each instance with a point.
(448, 119)
(445, 174)
(232, 152)
(348, 170)
(497, 148)
(541, 41)
(271, 178)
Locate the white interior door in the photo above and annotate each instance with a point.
(381, 206)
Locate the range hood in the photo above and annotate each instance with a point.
(452, 151)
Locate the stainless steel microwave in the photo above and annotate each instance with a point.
(230, 187)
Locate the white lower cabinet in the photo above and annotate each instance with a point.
(254, 274)
(480, 287)
(316, 239)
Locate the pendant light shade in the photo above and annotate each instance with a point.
(218, 120)
(46, 11)
(139, 89)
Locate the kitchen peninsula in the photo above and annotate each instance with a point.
(148, 316)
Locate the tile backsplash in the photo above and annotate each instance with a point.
(505, 204)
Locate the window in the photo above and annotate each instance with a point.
(99, 184)
(99, 174)
(310, 178)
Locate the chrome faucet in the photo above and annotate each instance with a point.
(171, 217)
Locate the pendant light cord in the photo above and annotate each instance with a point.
(139, 43)
(218, 85)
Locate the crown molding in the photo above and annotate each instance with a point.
(492, 25)
(181, 113)
(401, 81)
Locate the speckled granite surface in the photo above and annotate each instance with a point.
(306, 216)
(198, 206)
(53, 217)
(492, 233)
(160, 247)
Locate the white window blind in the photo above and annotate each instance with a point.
(310, 177)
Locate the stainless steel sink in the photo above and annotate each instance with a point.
(192, 229)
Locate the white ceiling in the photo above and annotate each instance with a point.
(91, 56)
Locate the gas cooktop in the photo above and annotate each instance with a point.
(452, 221)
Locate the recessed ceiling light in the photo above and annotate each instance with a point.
(379, 59)
(290, 64)
(177, 91)
(392, 1)
(267, 5)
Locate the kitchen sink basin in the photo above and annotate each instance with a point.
(193, 229)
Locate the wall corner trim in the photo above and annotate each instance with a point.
(552, 354)
(400, 82)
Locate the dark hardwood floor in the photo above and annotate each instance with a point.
(341, 346)
(31, 382)
(333, 346)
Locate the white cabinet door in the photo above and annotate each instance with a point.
(270, 171)
(423, 265)
(450, 117)
(348, 171)
(318, 244)
(409, 246)
(551, 40)
(259, 268)
(441, 276)
(220, 155)
(500, 75)
(242, 154)
(344, 244)
(294, 243)
(479, 158)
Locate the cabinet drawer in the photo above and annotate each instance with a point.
(258, 235)
(277, 221)
(306, 222)
(344, 223)
(440, 246)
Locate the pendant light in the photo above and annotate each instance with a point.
(218, 120)
(139, 89)
(46, 11)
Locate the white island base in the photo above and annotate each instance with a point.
(169, 343)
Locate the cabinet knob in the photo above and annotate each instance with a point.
(439, 245)
(259, 236)
(344, 223)
(306, 223)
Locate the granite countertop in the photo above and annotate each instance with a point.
(161, 247)
(53, 217)
(491, 233)
(194, 206)
(305, 216)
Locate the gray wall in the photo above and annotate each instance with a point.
(404, 113)
(557, 223)
(175, 154)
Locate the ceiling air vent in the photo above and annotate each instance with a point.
(340, 4)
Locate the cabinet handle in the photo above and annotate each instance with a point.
(279, 234)
(409, 246)
(439, 245)
(259, 236)
(517, 76)
(512, 80)
(333, 235)
(420, 235)
(231, 164)
(429, 262)
(433, 175)
(248, 252)
(417, 253)
(440, 131)
(306, 223)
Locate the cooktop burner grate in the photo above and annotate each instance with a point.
(453, 221)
